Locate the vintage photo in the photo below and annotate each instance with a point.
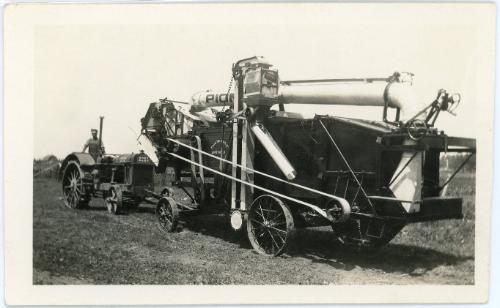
(321, 150)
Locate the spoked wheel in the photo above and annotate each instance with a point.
(168, 214)
(270, 225)
(73, 190)
(114, 200)
(372, 233)
(365, 234)
(417, 129)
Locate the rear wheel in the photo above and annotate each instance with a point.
(373, 233)
(270, 225)
(168, 214)
(73, 188)
(364, 233)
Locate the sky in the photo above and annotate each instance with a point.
(116, 70)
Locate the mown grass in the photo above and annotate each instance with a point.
(93, 247)
(455, 236)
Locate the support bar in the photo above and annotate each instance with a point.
(341, 200)
(309, 205)
(404, 167)
(456, 171)
(348, 166)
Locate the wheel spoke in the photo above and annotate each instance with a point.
(77, 196)
(261, 212)
(274, 241)
(275, 216)
(68, 197)
(282, 231)
(258, 222)
(269, 242)
(258, 231)
(260, 215)
(283, 239)
(278, 223)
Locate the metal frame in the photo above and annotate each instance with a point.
(348, 167)
(456, 171)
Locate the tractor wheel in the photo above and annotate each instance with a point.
(73, 189)
(270, 225)
(168, 214)
(114, 200)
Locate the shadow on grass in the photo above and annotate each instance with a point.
(216, 226)
(321, 246)
(149, 209)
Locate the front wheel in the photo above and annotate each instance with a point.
(114, 201)
(270, 225)
(168, 214)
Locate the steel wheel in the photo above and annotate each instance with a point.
(168, 214)
(114, 201)
(270, 225)
(72, 184)
(355, 233)
(372, 233)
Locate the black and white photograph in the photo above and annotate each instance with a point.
(243, 145)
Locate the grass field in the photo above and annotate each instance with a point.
(93, 247)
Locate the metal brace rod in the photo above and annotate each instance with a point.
(200, 159)
(456, 171)
(258, 172)
(402, 169)
(187, 193)
(312, 206)
(348, 166)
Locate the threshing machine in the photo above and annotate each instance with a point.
(273, 171)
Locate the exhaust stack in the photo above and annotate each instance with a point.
(101, 119)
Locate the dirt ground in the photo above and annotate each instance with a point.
(93, 247)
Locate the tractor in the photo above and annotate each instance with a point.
(122, 180)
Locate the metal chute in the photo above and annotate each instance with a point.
(274, 150)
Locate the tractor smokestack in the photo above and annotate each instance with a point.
(101, 119)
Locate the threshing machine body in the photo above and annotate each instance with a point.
(367, 179)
